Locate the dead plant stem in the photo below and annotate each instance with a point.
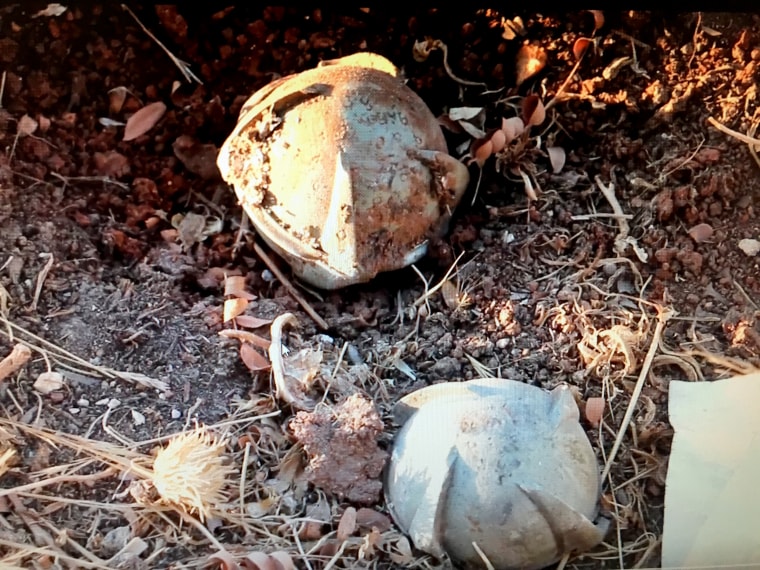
(321, 323)
(662, 319)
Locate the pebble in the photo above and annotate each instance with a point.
(83, 402)
(137, 418)
(176, 414)
(750, 247)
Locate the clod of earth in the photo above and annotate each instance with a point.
(343, 170)
(496, 463)
(341, 443)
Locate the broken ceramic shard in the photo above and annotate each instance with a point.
(498, 463)
(343, 170)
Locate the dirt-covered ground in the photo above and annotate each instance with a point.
(113, 257)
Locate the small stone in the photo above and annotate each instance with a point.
(137, 418)
(74, 411)
(750, 247)
(701, 233)
(48, 382)
(83, 402)
(176, 414)
(114, 403)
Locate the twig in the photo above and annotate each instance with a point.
(586, 217)
(2, 89)
(282, 390)
(753, 142)
(556, 99)
(183, 66)
(562, 563)
(243, 475)
(57, 555)
(429, 292)
(290, 287)
(631, 39)
(684, 162)
(662, 319)
(622, 240)
(108, 472)
(61, 353)
(483, 557)
(102, 179)
(41, 276)
(694, 39)
(19, 356)
(423, 48)
(751, 133)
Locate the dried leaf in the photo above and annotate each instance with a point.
(512, 28)
(530, 191)
(214, 276)
(557, 158)
(530, 60)
(116, 98)
(245, 336)
(403, 552)
(251, 322)
(106, 122)
(481, 150)
(611, 71)
(580, 46)
(370, 518)
(450, 294)
(26, 126)
(595, 410)
(18, 357)
(142, 380)
(701, 233)
(144, 120)
(512, 127)
(447, 123)
(533, 110)
(465, 113)
(48, 382)
(234, 286)
(472, 130)
(404, 368)
(347, 524)
(303, 367)
(252, 358)
(598, 19)
(274, 561)
(225, 559)
(233, 307)
(498, 140)
(52, 10)
(44, 123)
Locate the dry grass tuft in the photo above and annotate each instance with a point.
(192, 472)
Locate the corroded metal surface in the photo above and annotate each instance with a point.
(343, 170)
(498, 463)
